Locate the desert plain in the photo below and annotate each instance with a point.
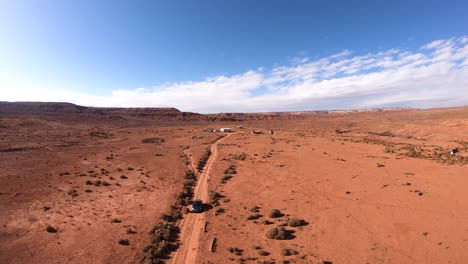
(91, 185)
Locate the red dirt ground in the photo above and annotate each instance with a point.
(373, 187)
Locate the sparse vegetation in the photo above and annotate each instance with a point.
(294, 222)
(254, 217)
(153, 140)
(124, 242)
(241, 156)
(214, 198)
(235, 251)
(203, 160)
(288, 252)
(51, 229)
(231, 170)
(73, 193)
(275, 213)
(225, 178)
(278, 233)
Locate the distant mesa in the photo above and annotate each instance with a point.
(72, 110)
(58, 109)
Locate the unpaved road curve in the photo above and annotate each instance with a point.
(192, 225)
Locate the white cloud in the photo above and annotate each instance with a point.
(434, 76)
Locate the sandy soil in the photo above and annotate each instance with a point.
(373, 187)
(364, 197)
(95, 183)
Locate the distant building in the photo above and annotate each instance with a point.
(240, 127)
(271, 132)
(225, 129)
(256, 132)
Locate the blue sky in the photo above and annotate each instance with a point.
(211, 56)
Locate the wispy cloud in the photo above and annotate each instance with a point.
(432, 76)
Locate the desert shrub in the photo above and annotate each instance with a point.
(214, 198)
(231, 170)
(88, 190)
(275, 213)
(219, 211)
(254, 217)
(203, 160)
(288, 252)
(241, 156)
(383, 134)
(263, 252)
(278, 233)
(100, 134)
(131, 231)
(266, 222)
(153, 140)
(226, 178)
(255, 209)
(51, 229)
(235, 251)
(116, 220)
(123, 177)
(89, 182)
(130, 168)
(294, 222)
(124, 242)
(105, 183)
(72, 192)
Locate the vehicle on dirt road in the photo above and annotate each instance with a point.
(197, 206)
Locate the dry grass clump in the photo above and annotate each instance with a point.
(275, 213)
(241, 156)
(254, 217)
(73, 193)
(383, 134)
(278, 233)
(262, 252)
(51, 229)
(294, 222)
(124, 242)
(288, 252)
(235, 251)
(153, 140)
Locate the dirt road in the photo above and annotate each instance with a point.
(192, 225)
